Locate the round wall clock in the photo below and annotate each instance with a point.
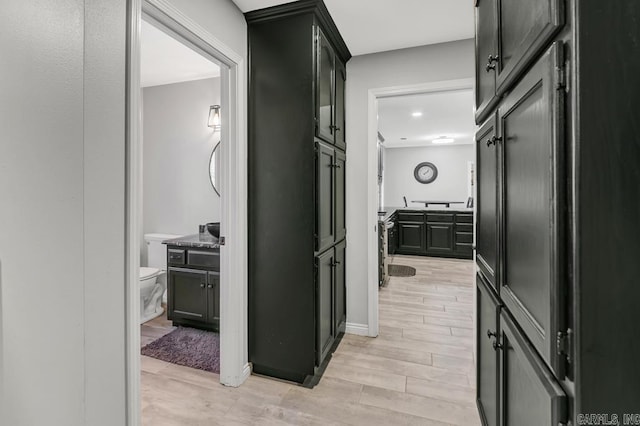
(425, 172)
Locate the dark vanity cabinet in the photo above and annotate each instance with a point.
(557, 246)
(509, 36)
(193, 287)
(412, 235)
(296, 182)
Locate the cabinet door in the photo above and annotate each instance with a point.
(187, 294)
(440, 238)
(530, 394)
(325, 188)
(530, 120)
(412, 238)
(486, 51)
(340, 195)
(213, 298)
(487, 145)
(340, 126)
(488, 311)
(525, 28)
(340, 301)
(325, 100)
(324, 304)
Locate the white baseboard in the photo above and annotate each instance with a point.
(359, 329)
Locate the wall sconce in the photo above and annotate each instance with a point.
(214, 117)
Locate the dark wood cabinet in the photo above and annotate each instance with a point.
(567, 215)
(326, 89)
(340, 288)
(341, 81)
(488, 333)
(443, 233)
(193, 288)
(326, 196)
(412, 238)
(486, 50)
(531, 286)
(340, 195)
(187, 294)
(530, 394)
(440, 238)
(324, 304)
(296, 185)
(509, 37)
(488, 145)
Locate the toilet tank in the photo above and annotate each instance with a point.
(156, 251)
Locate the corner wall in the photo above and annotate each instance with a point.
(419, 65)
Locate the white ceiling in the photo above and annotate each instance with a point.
(370, 26)
(165, 60)
(448, 114)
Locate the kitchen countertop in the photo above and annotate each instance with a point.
(195, 241)
(389, 211)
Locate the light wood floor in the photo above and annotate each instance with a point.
(419, 371)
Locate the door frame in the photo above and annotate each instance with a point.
(234, 365)
(372, 175)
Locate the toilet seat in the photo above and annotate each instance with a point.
(146, 272)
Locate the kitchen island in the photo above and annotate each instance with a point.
(430, 231)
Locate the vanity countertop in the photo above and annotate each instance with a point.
(195, 241)
(389, 211)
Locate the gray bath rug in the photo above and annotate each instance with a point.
(189, 347)
(401, 271)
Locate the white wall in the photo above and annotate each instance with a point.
(451, 183)
(426, 64)
(177, 146)
(62, 211)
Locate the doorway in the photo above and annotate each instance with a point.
(234, 366)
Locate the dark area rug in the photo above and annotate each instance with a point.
(189, 347)
(401, 271)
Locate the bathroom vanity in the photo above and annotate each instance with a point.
(193, 284)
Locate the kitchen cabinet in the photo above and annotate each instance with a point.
(530, 394)
(296, 184)
(516, 31)
(193, 287)
(488, 146)
(533, 215)
(487, 335)
(567, 223)
(412, 238)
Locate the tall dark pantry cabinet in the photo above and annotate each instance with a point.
(297, 163)
(558, 229)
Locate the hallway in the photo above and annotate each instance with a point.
(419, 371)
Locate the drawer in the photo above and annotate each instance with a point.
(464, 237)
(464, 227)
(411, 216)
(444, 217)
(464, 249)
(464, 218)
(176, 257)
(204, 259)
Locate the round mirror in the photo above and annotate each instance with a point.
(214, 168)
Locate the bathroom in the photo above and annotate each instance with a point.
(181, 207)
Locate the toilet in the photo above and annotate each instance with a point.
(153, 277)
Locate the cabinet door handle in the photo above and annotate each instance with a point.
(201, 285)
(210, 286)
(335, 128)
(491, 62)
(497, 345)
(493, 140)
(491, 334)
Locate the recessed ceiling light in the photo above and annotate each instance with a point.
(403, 139)
(442, 140)
(416, 114)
